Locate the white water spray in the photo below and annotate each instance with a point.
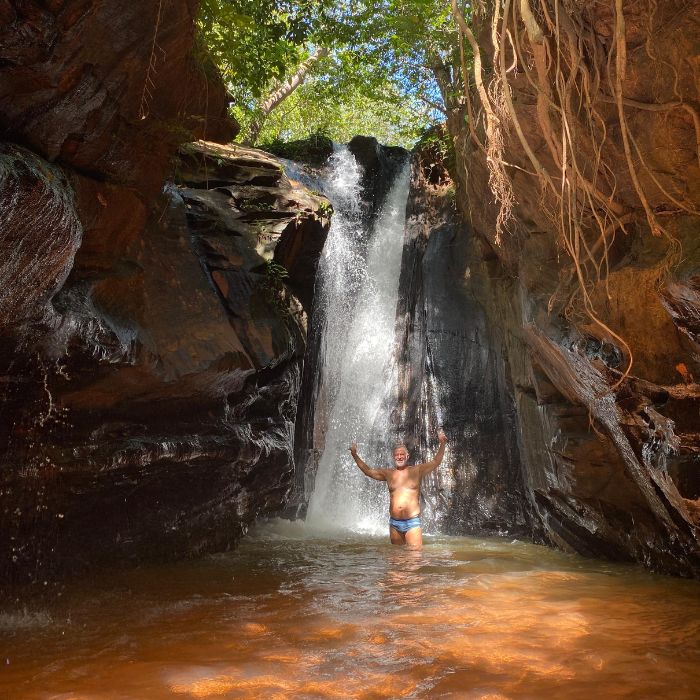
(359, 294)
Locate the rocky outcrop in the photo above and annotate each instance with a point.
(380, 165)
(578, 282)
(39, 233)
(162, 420)
(153, 335)
(313, 151)
(108, 120)
(105, 89)
(452, 372)
(285, 223)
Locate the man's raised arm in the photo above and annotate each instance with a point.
(377, 474)
(434, 463)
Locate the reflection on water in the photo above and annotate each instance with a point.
(294, 616)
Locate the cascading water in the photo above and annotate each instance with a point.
(358, 290)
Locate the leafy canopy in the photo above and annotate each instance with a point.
(378, 78)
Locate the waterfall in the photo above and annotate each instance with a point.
(357, 290)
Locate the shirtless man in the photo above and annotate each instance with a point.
(404, 491)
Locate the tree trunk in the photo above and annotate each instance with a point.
(281, 94)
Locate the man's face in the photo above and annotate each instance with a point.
(400, 457)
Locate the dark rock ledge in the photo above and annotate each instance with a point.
(153, 415)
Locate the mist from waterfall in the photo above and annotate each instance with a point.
(357, 289)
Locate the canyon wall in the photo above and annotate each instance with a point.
(153, 302)
(154, 296)
(576, 166)
(452, 371)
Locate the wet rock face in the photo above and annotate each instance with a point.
(452, 373)
(284, 223)
(610, 468)
(106, 88)
(39, 234)
(152, 337)
(169, 381)
(106, 94)
(380, 165)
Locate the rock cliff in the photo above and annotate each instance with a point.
(152, 305)
(452, 371)
(576, 163)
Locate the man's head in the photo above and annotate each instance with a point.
(400, 456)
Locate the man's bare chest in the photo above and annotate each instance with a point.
(400, 479)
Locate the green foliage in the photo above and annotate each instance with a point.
(436, 140)
(393, 120)
(272, 287)
(325, 209)
(275, 272)
(313, 150)
(254, 41)
(378, 80)
(436, 154)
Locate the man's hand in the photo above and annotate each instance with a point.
(378, 474)
(435, 462)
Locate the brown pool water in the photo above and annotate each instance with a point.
(290, 615)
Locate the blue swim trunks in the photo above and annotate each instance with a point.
(404, 525)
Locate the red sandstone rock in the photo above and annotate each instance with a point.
(39, 234)
(107, 88)
(602, 481)
(148, 409)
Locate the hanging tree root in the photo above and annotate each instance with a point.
(553, 44)
(498, 179)
(149, 82)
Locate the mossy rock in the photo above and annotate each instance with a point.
(314, 150)
(435, 153)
